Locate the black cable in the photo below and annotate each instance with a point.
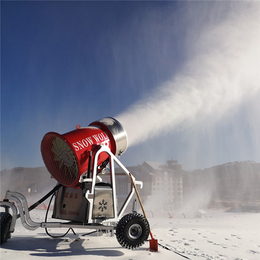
(46, 230)
(42, 199)
(167, 248)
(89, 164)
(89, 233)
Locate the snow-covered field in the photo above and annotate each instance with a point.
(216, 235)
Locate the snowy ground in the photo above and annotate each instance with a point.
(217, 235)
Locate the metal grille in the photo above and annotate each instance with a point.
(59, 159)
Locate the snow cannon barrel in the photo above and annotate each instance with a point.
(70, 155)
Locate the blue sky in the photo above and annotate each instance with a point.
(67, 63)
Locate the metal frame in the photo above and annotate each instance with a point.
(90, 195)
(108, 224)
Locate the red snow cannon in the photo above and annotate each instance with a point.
(70, 155)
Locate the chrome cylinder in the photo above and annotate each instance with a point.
(115, 130)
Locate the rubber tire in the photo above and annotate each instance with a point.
(132, 230)
(5, 223)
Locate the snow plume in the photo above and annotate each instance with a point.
(221, 73)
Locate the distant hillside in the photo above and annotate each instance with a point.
(31, 182)
(230, 184)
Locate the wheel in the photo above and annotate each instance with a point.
(5, 221)
(132, 230)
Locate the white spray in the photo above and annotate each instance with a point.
(223, 73)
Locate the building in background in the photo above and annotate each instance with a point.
(159, 181)
(166, 186)
(233, 184)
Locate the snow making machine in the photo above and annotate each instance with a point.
(81, 198)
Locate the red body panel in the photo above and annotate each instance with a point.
(67, 156)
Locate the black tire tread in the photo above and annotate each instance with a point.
(122, 226)
(5, 222)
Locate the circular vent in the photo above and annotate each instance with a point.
(59, 159)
